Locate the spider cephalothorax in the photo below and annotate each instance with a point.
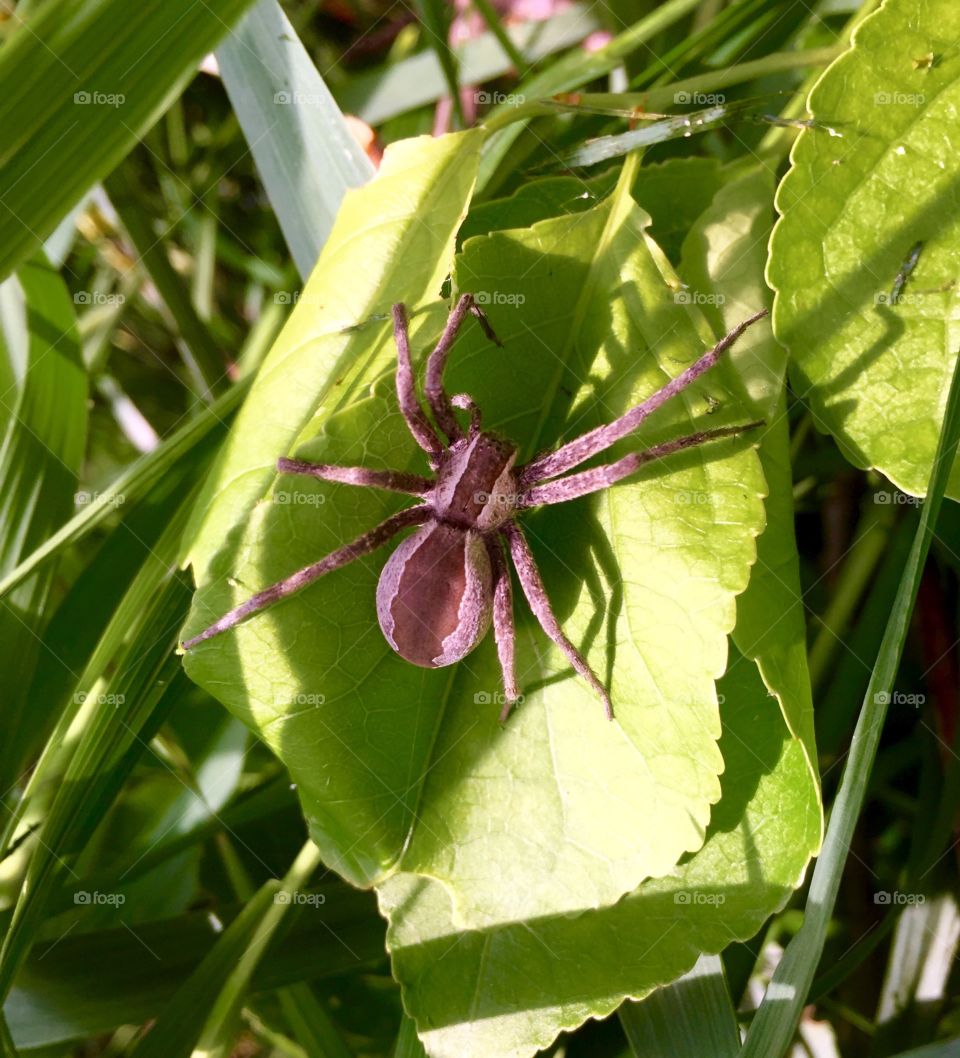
(444, 584)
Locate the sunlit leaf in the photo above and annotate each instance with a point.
(872, 342)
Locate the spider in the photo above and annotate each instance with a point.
(444, 584)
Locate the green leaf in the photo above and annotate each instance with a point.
(327, 354)
(875, 370)
(80, 82)
(675, 193)
(778, 1015)
(539, 200)
(40, 459)
(630, 571)
(505, 991)
(723, 261)
(303, 148)
(637, 575)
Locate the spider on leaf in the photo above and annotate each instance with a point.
(444, 584)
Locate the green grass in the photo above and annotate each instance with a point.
(291, 842)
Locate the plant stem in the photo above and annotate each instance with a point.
(486, 11)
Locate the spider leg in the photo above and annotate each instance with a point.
(597, 478)
(551, 464)
(342, 556)
(440, 404)
(392, 480)
(536, 594)
(504, 631)
(417, 422)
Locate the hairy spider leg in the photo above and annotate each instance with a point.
(392, 480)
(437, 398)
(566, 457)
(363, 545)
(536, 594)
(504, 632)
(416, 419)
(597, 478)
(440, 403)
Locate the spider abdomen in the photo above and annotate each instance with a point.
(434, 597)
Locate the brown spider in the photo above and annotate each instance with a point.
(442, 586)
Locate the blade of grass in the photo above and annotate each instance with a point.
(664, 96)
(943, 1049)
(778, 1015)
(408, 1043)
(301, 143)
(489, 15)
(435, 21)
(40, 459)
(689, 1018)
(201, 1017)
(132, 483)
(203, 358)
(98, 980)
(80, 83)
(571, 72)
(915, 986)
(415, 81)
(119, 699)
(7, 1046)
(309, 1022)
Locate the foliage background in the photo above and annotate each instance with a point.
(176, 872)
